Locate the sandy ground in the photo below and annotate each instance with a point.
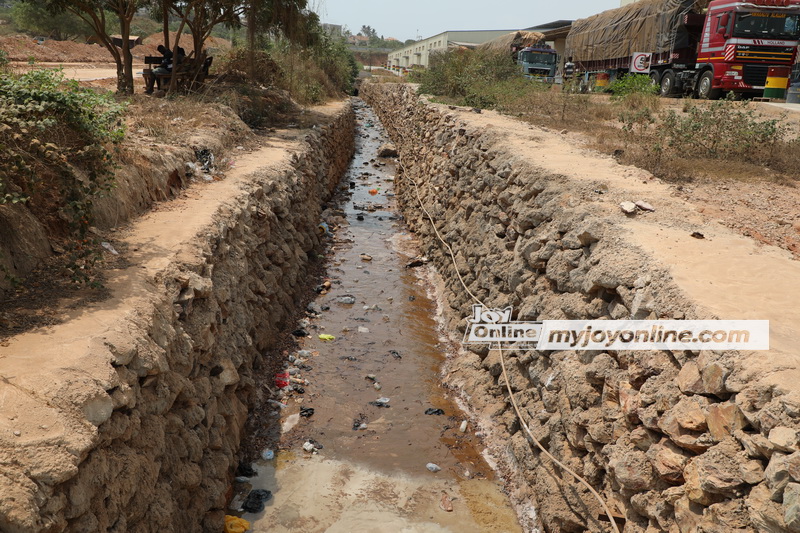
(729, 273)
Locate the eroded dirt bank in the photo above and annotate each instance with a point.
(127, 416)
(675, 441)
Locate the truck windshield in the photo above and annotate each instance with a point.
(536, 57)
(774, 25)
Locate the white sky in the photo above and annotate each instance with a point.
(405, 19)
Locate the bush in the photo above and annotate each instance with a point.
(723, 130)
(55, 133)
(632, 84)
(461, 73)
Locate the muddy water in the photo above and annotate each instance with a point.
(370, 474)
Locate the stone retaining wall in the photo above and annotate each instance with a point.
(140, 424)
(675, 441)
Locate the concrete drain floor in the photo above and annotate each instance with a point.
(371, 471)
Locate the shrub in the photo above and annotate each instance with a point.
(54, 138)
(632, 84)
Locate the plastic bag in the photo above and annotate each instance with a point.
(234, 524)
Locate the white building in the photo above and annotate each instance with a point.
(417, 54)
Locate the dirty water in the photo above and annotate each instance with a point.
(368, 470)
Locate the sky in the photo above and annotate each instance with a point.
(409, 19)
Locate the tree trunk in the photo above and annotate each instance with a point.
(127, 57)
(165, 15)
(251, 39)
(173, 80)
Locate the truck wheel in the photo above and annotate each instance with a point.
(705, 84)
(655, 77)
(668, 84)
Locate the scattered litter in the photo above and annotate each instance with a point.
(347, 299)
(268, 455)
(360, 218)
(377, 386)
(110, 248)
(417, 262)
(446, 504)
(373, 377)
(433, 411)
(234, 524)
(373, 192)
(412, 298)
(477, 110)
(324, 230)
(360, 422)
(698, 235)
(628, 208)
(290, 422)
(644, 206)
(307, 446)
(241, 479)
(463, 428)
(366, 257)
(306, 412)
(255, 501)
(300, 333)
(277, 404)
(395, 354)
(314, 308)
(282, 380)
(326, 337)
(246, 470)
(433, 467)
(381, 402)
(362, 329)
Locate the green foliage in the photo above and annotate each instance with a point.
(3, 60)
(34, 18)
(53, 135)
(723, 130)
(639, 84)
(462, 73)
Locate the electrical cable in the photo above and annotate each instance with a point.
(564, 467)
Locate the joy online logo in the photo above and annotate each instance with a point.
(495, 327)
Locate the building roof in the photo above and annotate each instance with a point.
(551, 25)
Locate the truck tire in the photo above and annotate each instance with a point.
(668, 83)
(705, 87)
(655, 77)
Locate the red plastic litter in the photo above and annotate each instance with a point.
(282, 380)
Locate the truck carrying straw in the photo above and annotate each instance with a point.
(691, 46)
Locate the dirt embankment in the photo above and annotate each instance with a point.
(127, 415)
(21, 48)
(677, 441)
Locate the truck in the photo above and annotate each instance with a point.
(538, 62)
(690, 47)
(535, 58)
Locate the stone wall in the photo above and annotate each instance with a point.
(140, 424)
(675, 441)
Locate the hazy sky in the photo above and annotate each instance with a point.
(405, 19)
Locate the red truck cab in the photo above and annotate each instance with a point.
(741, 40)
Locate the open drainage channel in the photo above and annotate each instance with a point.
(368, 457)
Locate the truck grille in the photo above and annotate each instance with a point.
(755, 75)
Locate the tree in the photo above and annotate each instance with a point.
(368, 31)
(35, 19)
(93, 13)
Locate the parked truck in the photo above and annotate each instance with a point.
(690, 47)
(539, 62)
(535, 58)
